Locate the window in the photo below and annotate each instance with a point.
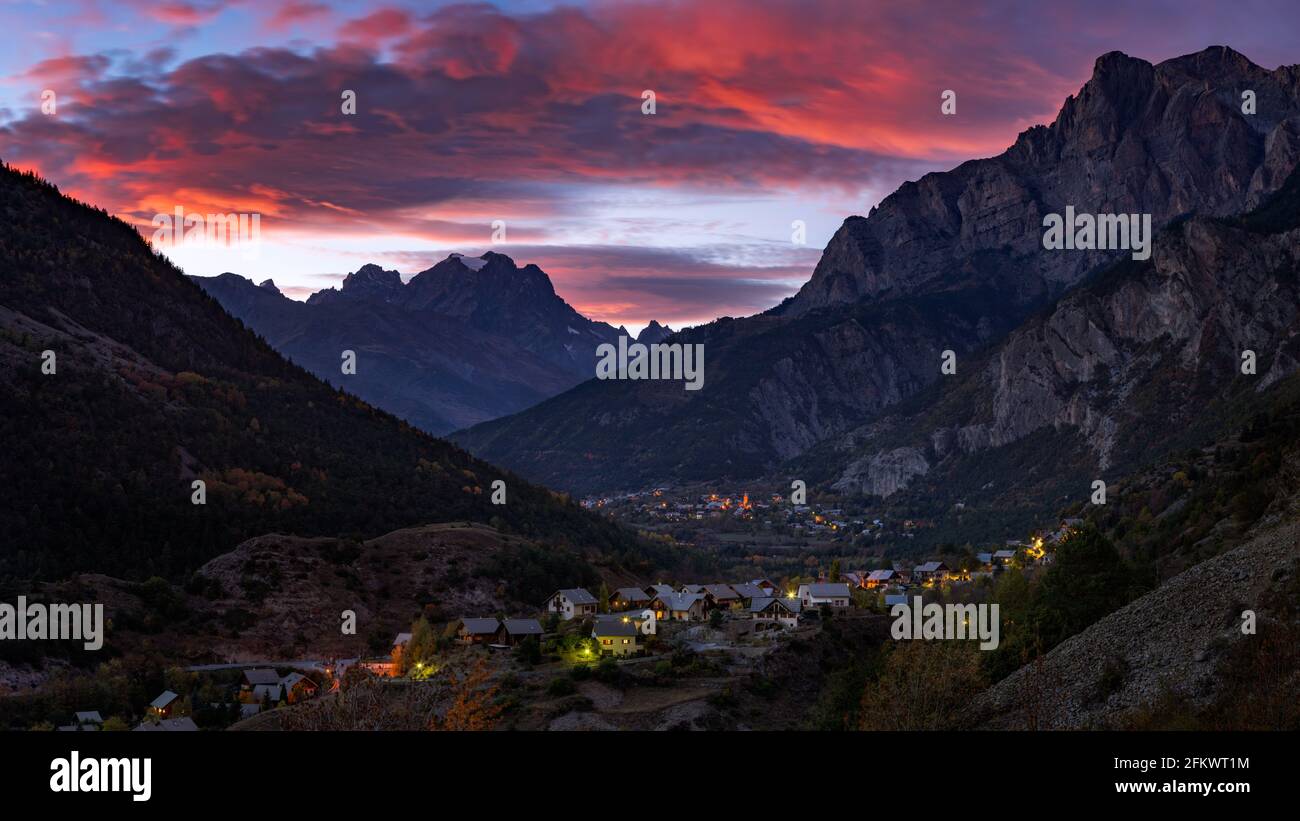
(606, 641)
(625, 641)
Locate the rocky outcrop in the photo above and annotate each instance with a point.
(883, 474)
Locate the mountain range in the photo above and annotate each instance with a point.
(1068, 363)
(124, 383)
(465, 341)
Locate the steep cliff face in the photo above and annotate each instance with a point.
(1165, 140)
(1148, 354)
(954, 261)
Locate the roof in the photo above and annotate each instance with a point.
(879, 575)
(89, 717)
(1005, 554)
(748, 591)
(172, 725)
(692, 588)
(261, 675)
(662, 589)
(523, 627)
(263, 691)
(480, 627)
(984, 557)
(577, 595)
(639, 614)
(929, 567)
(680, 601)
(290, 680)
(721, 591)
(827, 590)
(613, 627)
(631, 594)
(759, 605)
(401, 639)
(163, 700)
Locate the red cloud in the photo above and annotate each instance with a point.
(377, 26)
(471, 113)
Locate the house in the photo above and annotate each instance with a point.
(573, 603)
(678, 606)
(478, 631)
(936, 572)
(297, 687)
(895, 596)
(748, 592)
(162, 706)
(985, 560)
(260, 684)
(692, 588)
(514, 631)
(767, 585)
(880, 578)
(268, 693)
(771, 612)
(855, 579)
(723, 595)
(628, 597)
(184, 724)
(89, 720)
(659, 590)
(1003, 558)
(616, 637)
(835, 594)
(644, 620)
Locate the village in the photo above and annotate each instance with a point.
(696, 514)
(729, 623)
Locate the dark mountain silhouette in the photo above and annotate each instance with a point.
(155, 386)
(465, 341)
(654, 332)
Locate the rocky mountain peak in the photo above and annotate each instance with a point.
(370, 280)
(269, 285)
(1167, 140)
(654, 332)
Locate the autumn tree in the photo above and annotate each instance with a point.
(923, 685)
(473, 702)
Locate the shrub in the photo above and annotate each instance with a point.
(561, 687)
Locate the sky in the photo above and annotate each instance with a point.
(530, 115)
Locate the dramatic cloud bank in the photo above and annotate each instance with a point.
(530, 113)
